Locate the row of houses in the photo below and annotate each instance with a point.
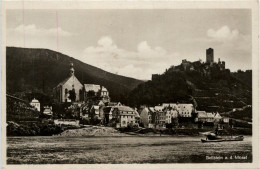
(113, 113)
(169, 113)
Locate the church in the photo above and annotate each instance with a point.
(71, 90)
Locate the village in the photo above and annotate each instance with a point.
(90, 104)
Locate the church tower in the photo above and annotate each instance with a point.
(71, 69)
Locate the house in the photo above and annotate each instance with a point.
(95, 112)
(104, 91)
(217, 117)
(147, 117)
(35, 103)
(184, 110)
(47, 111)
(124, 115)
(201, 116)
(93, 90)
(70, 89)
(170, 114)
(225, 119)
(160, 117)
(210, 117)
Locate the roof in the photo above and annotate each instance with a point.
(63, 82)
(92, 87)
(114, 103)
(202, 114)
(151, 109)
(96, 107)
(158, 108)
(169, 104)
(35, 101)
(47, 111)
(217, 116)
(137, 114)
(103, 89)
(210, 115)
(125, 108)
(184, 107)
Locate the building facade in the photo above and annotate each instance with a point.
(70, 89)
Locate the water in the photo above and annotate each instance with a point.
(89, 150)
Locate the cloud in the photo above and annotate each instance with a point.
(33, 30)
(223, 34)
(140, 64)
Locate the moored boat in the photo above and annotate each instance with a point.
(236, 138)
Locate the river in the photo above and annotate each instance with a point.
(90, 150)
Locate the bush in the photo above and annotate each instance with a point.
(35, 129)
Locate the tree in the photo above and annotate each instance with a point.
(72, 95)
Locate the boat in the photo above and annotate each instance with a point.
(222, 139)
(205, 140)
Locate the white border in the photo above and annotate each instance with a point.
(253, 5)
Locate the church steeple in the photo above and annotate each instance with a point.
(71, 69)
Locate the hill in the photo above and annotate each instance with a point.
(210, 87)
(40, 70)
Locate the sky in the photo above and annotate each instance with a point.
(136, 42)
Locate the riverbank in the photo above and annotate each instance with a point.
(14, 129)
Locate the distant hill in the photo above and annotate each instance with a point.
(40, 70)
(210, 86)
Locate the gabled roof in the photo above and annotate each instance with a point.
(92, 87)
(35, 101)
(202, 114)
(125, 108)
(210, 115)
(217, 116)
(151, 109)
(103, 89)
(137, 114)
(63, 82)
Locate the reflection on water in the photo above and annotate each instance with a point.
(68, 150)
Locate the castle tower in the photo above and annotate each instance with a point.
(209, 55)
(71, 70)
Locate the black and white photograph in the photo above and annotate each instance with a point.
(126, 84)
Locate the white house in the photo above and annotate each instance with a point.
(184, 110)
(35, 103)
(48, 110)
